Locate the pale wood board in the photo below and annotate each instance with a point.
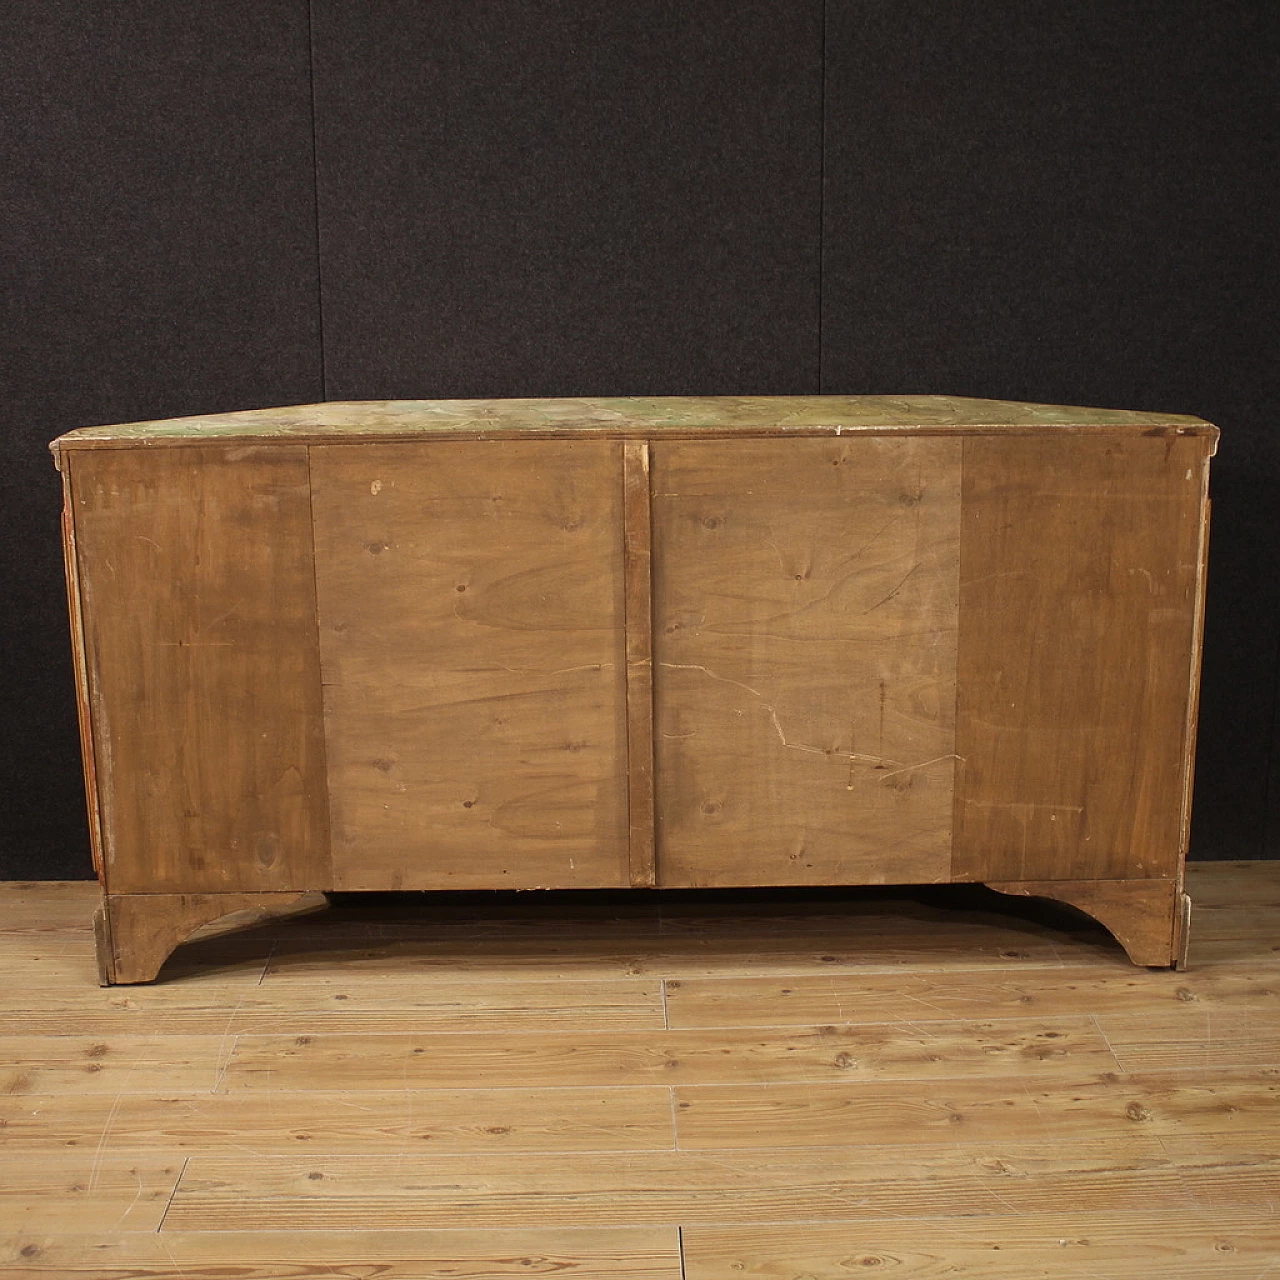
(42, 907)
(1258, 952)
(350, 1004)
(775, 1184)
(203, 598)
(35, 1064)
(1238, 1103)
(805, 598)
(839, 997)
(471, 602)
(86, 1190)
(1070, 1045)
(1074, 742)
(1235, 886)
(1219, 924)
(1206, 1039)
(352, 1122)
(622, 1253)
(41, 947)
(1187, 1244)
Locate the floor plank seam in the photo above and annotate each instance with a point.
(224, 1063)
(173, 1195)
(1093, 1017)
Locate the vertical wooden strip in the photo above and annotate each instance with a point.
(1197, 648)
(638, 544)
(81, 669)
(323, 818)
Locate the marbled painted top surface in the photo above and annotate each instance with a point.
(637, 416)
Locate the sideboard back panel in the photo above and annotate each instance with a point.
(1080, 564)
(471, 600)
(805, 630)
(195, 572)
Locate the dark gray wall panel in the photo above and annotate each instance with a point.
(534, 198)
(1063, 202)
(159, 259)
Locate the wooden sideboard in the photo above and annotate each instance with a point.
(650, 642)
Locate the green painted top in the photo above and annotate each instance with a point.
(633, 416)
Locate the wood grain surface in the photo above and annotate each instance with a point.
(805, 613)
(1226, 1101)
(623, 1253)
(1067, 1045)
(391, 1122)
(1144, 915)
(1079, 587)
(135, 933)
(808, 999)
(772, 1184)
(80, 668)
(471, 600)
(197, 588)
(301, 1100)
(238, 1001)
(100, 1196)
(638, 519)
(1187, 1243)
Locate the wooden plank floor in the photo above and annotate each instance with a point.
(809, 1084)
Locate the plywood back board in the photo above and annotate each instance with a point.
(1079, 590)
(196, 580)
(805, 639)
(472, 609)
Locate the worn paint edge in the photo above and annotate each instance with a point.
(639, 432)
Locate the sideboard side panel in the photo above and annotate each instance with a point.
(71, 562)
(805, 596)
(197, 588)
(1079, 588)
(472, 627)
